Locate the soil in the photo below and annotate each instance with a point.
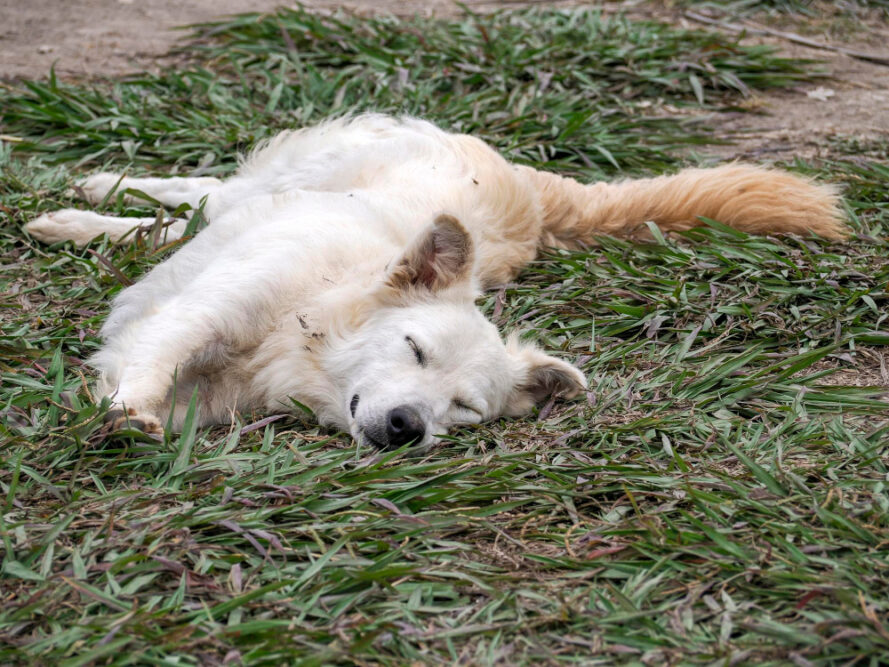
(844, 114)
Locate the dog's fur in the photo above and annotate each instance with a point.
(342, 263)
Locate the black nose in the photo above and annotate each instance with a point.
(404, 425)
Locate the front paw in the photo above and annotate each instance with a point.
(65, 225)
(96, 187)
(131, 419)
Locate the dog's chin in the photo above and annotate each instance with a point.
(363, 438)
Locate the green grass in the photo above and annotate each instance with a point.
(720, 497)
(568, 90)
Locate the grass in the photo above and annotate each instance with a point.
(720, 497)
(519, 80)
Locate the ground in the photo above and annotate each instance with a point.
(98, 38)
(720, 494)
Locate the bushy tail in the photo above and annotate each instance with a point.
(748, 198)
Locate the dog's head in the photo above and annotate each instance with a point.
(426, 359)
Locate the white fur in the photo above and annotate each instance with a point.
(294, 289)
(83, 226)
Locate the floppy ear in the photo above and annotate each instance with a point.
(540, 376)
(441, 256)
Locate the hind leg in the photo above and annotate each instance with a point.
(171, 192)
(83, 226)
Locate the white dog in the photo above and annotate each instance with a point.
(342, 263)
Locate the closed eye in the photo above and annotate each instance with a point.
(418, 353)
(457, 403)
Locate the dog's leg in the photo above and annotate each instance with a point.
(122, 417)
(168, 191)
(139, 365)
(83, 226)
(223, 308)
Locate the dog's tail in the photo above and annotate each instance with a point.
(745, 197)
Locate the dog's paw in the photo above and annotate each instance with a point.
(66, 225)
(131, 419)
(96, 187)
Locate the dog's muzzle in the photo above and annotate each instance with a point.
(404, 425)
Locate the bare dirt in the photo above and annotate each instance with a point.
(846, 113)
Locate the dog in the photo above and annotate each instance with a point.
(341, 265)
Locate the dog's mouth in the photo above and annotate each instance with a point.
(353, 405)
(362, 436)
(366, 438)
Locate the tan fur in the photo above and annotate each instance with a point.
(543, 377)
(748, 198)
(435, 261)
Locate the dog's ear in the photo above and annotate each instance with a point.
(441, 256)
(539, 376)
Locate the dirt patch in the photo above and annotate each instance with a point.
(99, 37)
(844, 114)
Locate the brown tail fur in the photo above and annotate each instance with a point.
(748, 198)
